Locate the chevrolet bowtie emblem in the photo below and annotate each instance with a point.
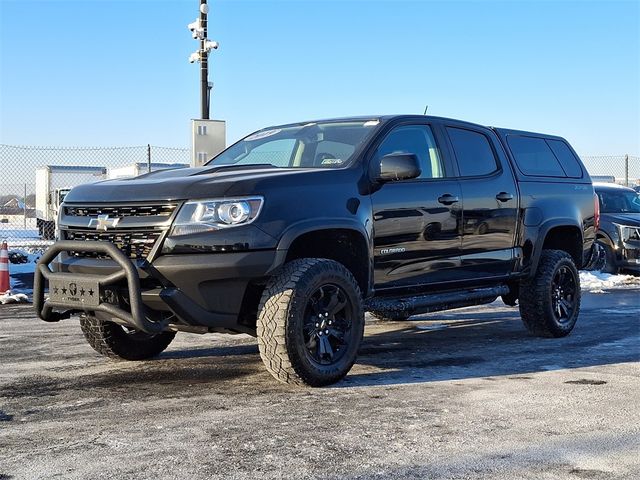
(103, 222)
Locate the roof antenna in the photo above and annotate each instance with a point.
(425, 109)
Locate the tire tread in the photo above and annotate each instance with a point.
(534, 295)
(103, 338)
(274, 309)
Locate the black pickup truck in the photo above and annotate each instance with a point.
(296, 230)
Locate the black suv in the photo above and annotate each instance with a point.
(619, 232)
(296, 230)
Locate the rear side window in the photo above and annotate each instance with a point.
(534, 157)
(566, 157)
(473, 152)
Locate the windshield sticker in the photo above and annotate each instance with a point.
(371, 123)
(262, 134)
(332, 161)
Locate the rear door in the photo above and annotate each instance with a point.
(489, 217)
(417, 238)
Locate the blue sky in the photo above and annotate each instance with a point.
(116, 72)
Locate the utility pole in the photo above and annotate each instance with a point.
(626, 170)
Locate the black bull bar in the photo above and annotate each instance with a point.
(44, 307)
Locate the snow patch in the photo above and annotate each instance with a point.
(9, 297)
(597, 282)
(435, 326)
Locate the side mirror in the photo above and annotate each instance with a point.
(399, 166)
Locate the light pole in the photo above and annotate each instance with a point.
(199, 32)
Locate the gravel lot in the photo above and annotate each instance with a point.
(461, 394)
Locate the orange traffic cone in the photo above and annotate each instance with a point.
(5, 284)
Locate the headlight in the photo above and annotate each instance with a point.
(629, 234)
(205, 215)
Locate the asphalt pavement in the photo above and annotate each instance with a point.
(460, 394)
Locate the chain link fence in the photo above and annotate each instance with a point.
(621, 169)
(34, 180)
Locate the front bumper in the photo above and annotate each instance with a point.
(628, 258)
(202, 290)
(627, 247)
(126, 272)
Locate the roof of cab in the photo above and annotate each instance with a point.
(388, 118)
(508, 131)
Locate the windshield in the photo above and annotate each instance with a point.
(619, 202)
(314, 145)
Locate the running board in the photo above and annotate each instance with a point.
(435, 302)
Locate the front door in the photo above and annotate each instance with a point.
(417, 235)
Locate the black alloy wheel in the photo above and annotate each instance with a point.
(549, 301)
(563, 294)
(327, 324)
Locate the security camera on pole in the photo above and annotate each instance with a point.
(208, 136)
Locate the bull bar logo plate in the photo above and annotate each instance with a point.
(74, 292)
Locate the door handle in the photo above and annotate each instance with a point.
(448, 199)
(504, 197)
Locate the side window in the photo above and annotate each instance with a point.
(277, 152)
(331, 154)
(473, 152)
(416, 139)
(534, 157)
(566, 157)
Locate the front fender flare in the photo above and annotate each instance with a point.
(311, 225)
(302, 227)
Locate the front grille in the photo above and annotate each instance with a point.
(134, 244)
(133, 229)
(631, 234)
(121, 211)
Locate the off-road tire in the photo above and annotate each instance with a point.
(535, 299)
(113, 340)
(388, 316)
(281, 318)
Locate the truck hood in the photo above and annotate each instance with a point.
(629, 219)
(179, 184)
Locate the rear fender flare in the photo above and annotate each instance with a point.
(543, 231)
